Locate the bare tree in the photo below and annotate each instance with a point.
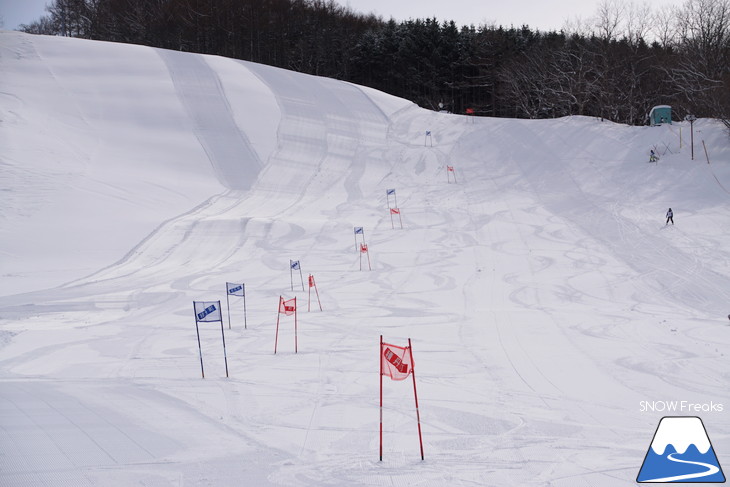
(42, 26)
(638, 22)
(664, 25)
(704, 30)
(703, 70)
(608, 19)
(577, 26)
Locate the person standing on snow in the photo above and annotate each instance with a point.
(670, 217)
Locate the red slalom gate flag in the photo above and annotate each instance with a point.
(364, 248)
(397, 361)
(288, 307)
(395, 211)
(450, 168)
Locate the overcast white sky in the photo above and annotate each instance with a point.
(538, 14)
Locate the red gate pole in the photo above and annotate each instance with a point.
(317, 292)
(380, 359)
(278, 314)
(295, 323)
(415, 394)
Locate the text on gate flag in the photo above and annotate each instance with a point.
(235, 289)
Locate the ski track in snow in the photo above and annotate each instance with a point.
(542, 300)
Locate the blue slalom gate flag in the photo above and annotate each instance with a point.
(236, 289)
(428, 132)
(294, 266)
(207, 311)
(390, 192)
(359, 231)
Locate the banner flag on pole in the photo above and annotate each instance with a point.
(388, 194)
(428, 138)
(209, 312)
(287, 307)
(397, 362)
(359, 231)
(395, 211)
(235, 289)
(295, 266)
(313, 284)
(364, 250)
(449, 172)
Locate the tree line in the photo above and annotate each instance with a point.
(616, 65)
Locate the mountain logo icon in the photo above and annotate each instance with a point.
(680, 452)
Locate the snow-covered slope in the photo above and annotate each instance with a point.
(543, 293)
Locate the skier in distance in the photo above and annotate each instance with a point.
(670, 217)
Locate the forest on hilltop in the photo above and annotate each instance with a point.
(616, 65)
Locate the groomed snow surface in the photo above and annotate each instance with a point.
(544, 296)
